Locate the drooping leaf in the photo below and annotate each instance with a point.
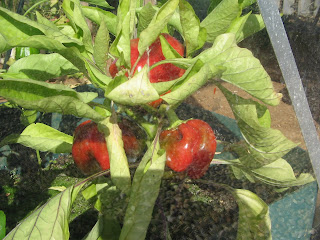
(101, 47)
(219, 20)
(137, 90)
(28, 116)
(254, 221)
(159, 21)
(51, 220)
(97, 77)
(43, 138)
(168, 51)
(101, 3)
(237, 26)
(144, 192)
(196, 78)
(119, 168)
(96, 15)
(242, 68)
(42, 67)
(45, 97)
(263, 144)
(194, 35)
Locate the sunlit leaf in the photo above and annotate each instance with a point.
(219, 20)
(101, 47)
(144, 192)
(137, 90)
(101, 3)
(242, 68)
(119, 168)
(145, 16)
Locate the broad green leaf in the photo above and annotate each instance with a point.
(17, 29)
(145, 16)
(119, 168)
(194, 35)
(219, 20)
(174, 21)
(101, 47)
(44, 21)
(195, 79)
(237, 26)
(254, 221)
(159, 21)
(2, 224)
(42, 66)
(253, 24)
(101, 3)
(263, 144)
(45, 97)
(162, 87)
(213, 5)
(51, 220)
(144, 192)
(243, 69)
(97, 14)
(137, 90)
(43, 138)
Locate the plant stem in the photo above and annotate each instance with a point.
(33, 6)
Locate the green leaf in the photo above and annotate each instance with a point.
(144, 192)
(97, 15)
(119, 168)
(2, 224)
(243, 69)
(263, 144)
(28, 116)
(101, 3)
(237, 26)
(45, 97)
(197, 76)
(42, 67)
(74, 12)
(97, 77)
(101, 47)
(51, 220)
(219, 20)
(213, 5)
(145, 16)
(168, 51)
(253, 24)
(43, 138)
(254, 221)
(194, 35)
(137, 90)
(159, 21)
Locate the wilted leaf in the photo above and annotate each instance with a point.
(42, 67)
(144, 192)
(242, 68)
(119, 168)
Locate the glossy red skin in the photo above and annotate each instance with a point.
(90, 152)
(206, 150)
(180, 145)
(190, 147)
(162, 73)
(89, 149)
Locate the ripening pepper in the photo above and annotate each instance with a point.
(89, 149)
(190, 147)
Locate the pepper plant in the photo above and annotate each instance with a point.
(211, 55)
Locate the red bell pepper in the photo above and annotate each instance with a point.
(190, 147)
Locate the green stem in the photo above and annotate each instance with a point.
(33, 6)
(39, 158)
(172, 117)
